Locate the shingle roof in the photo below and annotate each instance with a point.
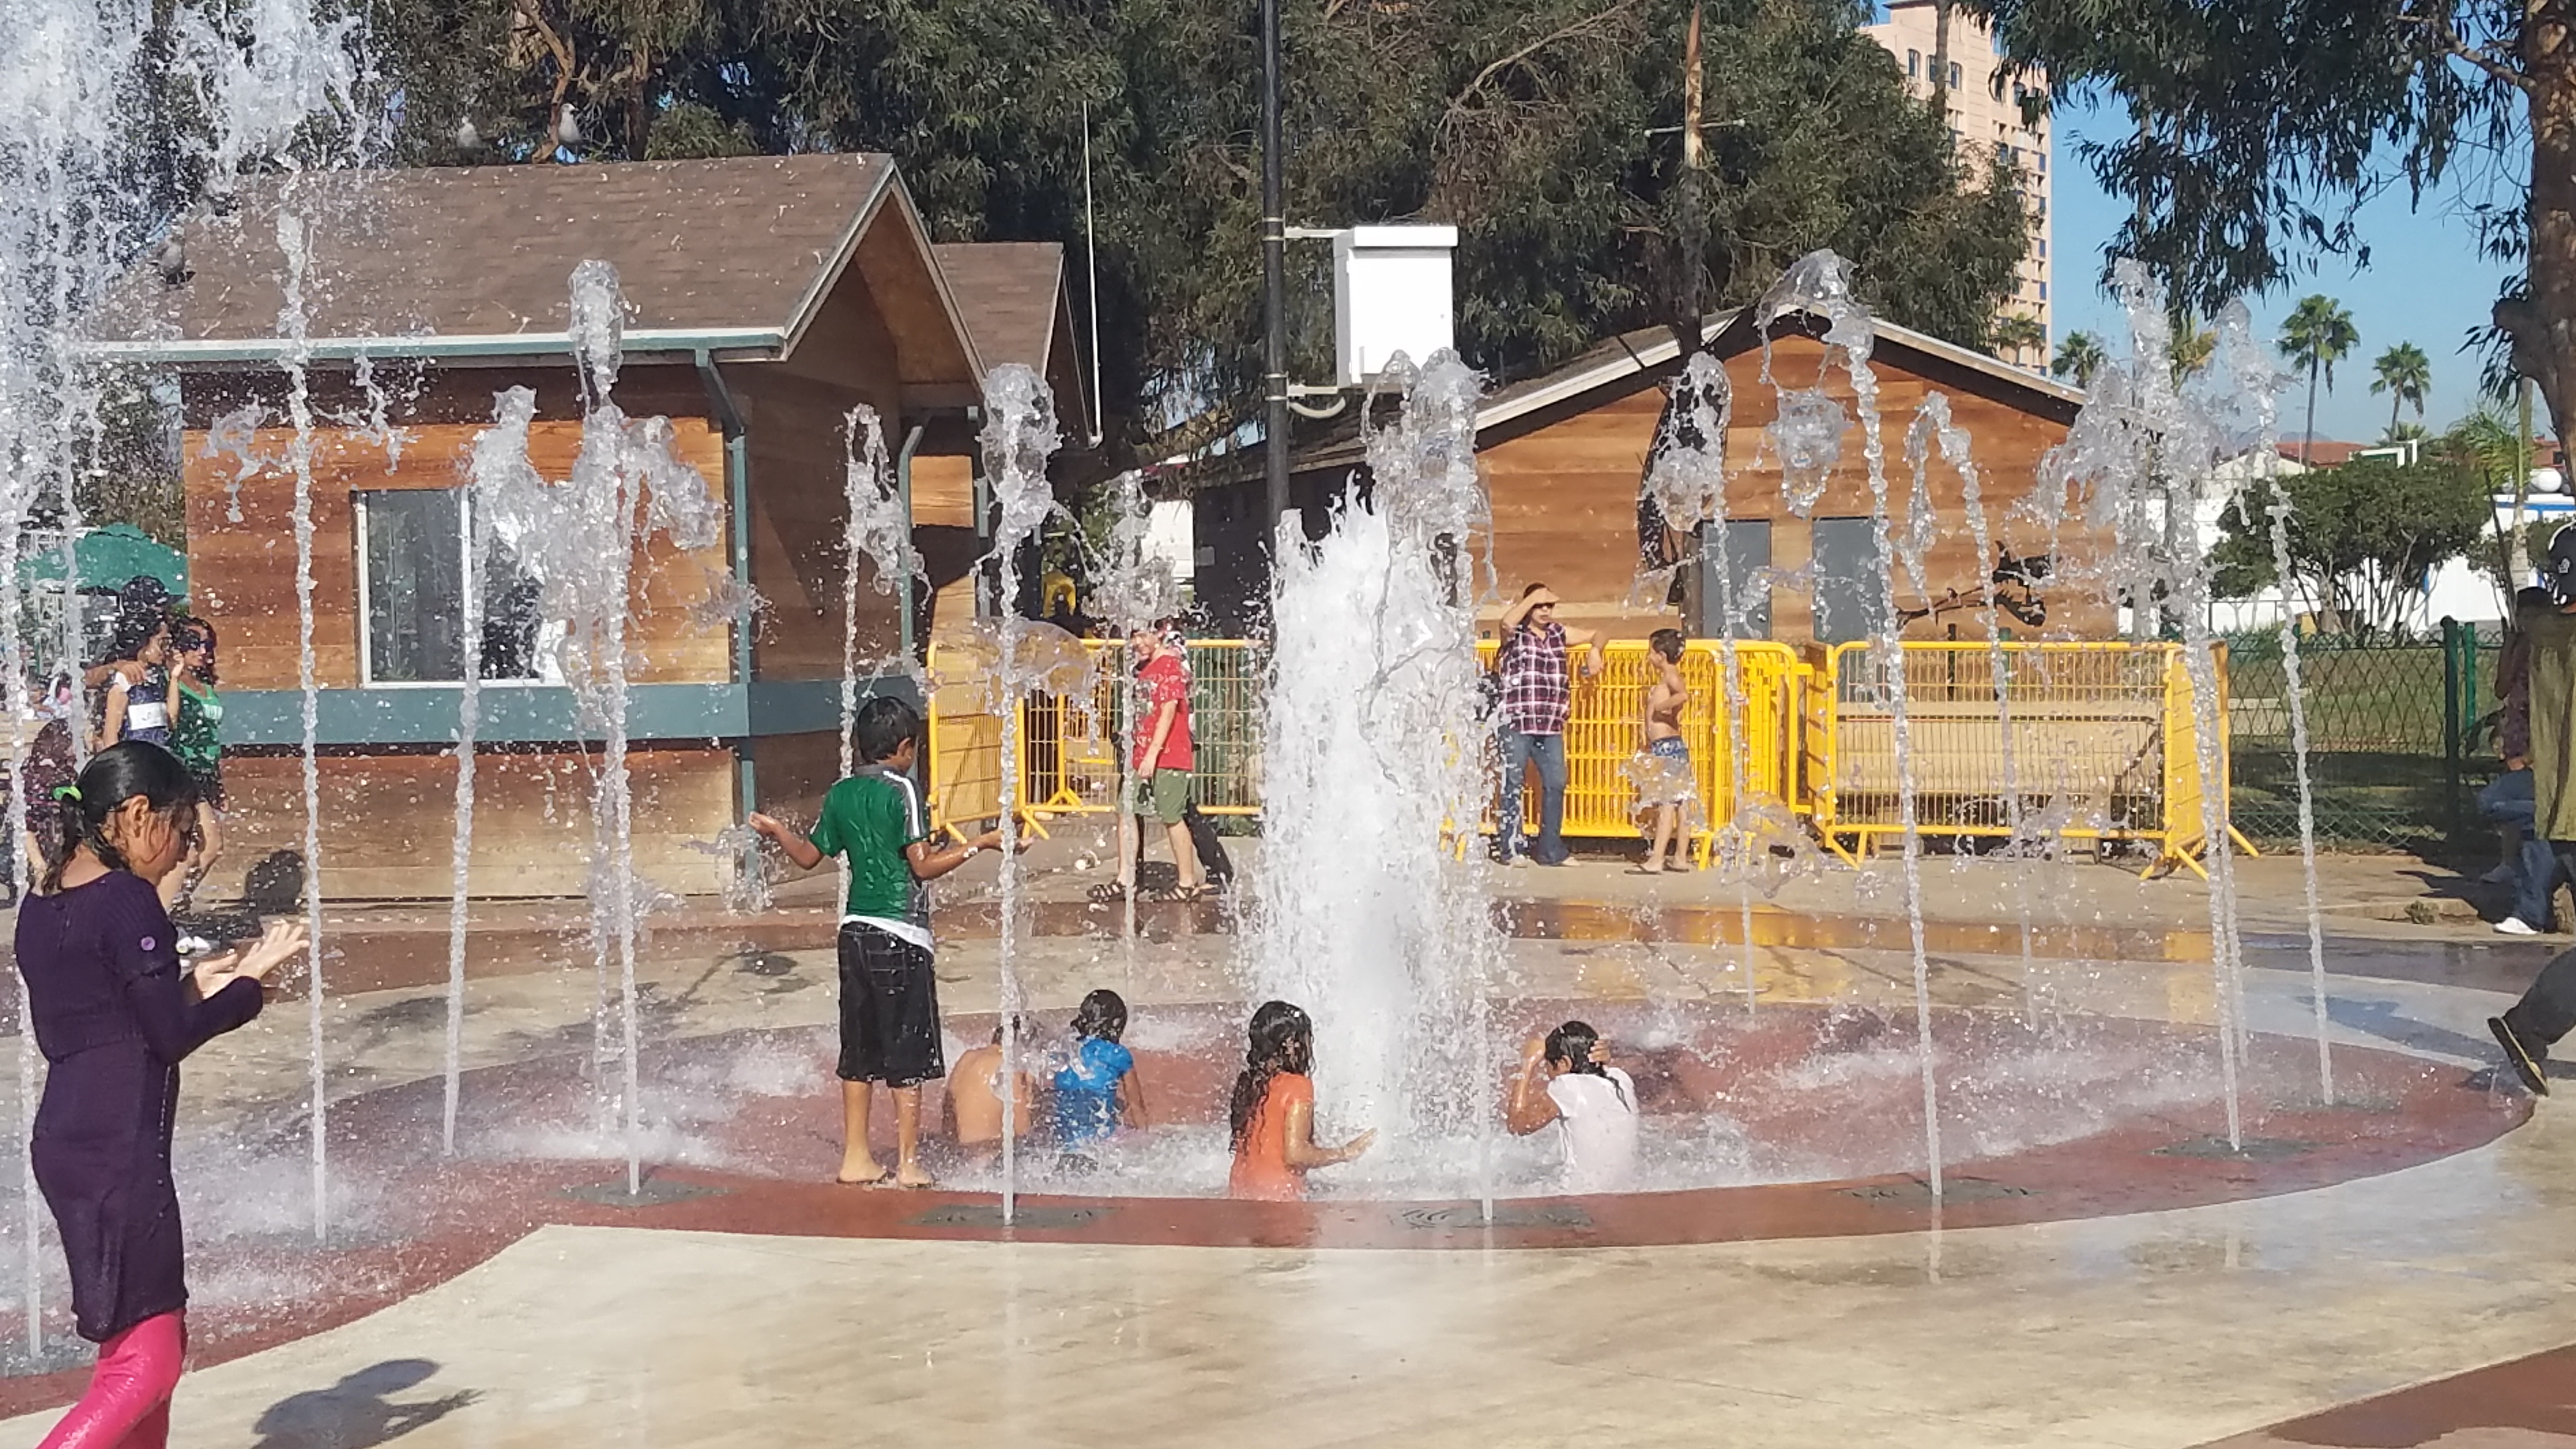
(1009, 293)
(739, 243)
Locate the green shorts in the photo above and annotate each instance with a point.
(1165, 795)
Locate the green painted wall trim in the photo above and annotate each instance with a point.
(515, 714)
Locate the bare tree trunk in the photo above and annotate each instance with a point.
(1941, 58)
(2543, 325)
(1690, 209)
(2308, 458)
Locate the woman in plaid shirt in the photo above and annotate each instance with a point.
(1537, 695)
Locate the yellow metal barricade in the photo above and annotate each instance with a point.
(1069, 744)
(965, 746)
(2100, 738)
(1605, 730)
(2102, 742)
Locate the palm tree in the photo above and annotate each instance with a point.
(2407, 433)
(2018, 334)
(2081, 357)
(2193, 346)
(2489, 445)
(2318, 334)
(2406, 375)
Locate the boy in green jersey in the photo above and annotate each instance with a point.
(889, 998)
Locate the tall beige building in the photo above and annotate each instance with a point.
(1986, 125)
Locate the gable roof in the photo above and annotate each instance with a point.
(1016, 307)
(1650, 350)
(733, 255)
(1630, 361)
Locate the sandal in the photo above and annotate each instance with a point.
(1110, 893)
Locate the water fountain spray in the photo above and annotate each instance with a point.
(2257, 393)
(1810, 428)
(1019, 436)
(1934, 430)
(1373, 747)
(579, 541)
(1131, 588)
(1686, 486)
(877, 527)
(498, 469)
(2141, 460)
(293, 244)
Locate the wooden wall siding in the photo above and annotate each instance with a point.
(799, 513)
(929, 350)
(793, 771)
(1564, 501)
(243, 573)
(943, 530)
(387, 821)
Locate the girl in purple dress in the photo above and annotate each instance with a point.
(114, 1013)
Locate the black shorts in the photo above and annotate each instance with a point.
(889, 1009)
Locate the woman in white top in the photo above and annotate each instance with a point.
(1592, 1103)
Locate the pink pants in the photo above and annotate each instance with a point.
(128, 1403)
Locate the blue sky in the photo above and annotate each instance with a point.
(2425, 284)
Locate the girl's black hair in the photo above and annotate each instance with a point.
(1573, 1044)
(188, 633)
(1280, 1039)
(1103, 1014)
(121, 772)
(134, 629)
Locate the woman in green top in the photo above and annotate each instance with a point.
(196, 737)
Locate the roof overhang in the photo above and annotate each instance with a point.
(642, 344)
(890, 187)
(1663, 350)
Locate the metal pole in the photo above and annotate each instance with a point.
(1274, 276)
(2453, 735)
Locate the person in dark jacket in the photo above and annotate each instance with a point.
(115, 1012)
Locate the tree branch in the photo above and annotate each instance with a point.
(554, 43)
(2447, 39)
(1459, 101)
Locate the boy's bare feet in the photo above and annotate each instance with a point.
(914, 1175)
(860, 1172)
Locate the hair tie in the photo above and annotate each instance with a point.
(67, 792)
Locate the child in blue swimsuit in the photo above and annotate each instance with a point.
(1098, 1092)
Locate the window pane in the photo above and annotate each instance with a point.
(1851, 590)
(510, 619)
(415, 572)
(1729, 578)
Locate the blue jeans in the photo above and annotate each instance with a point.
(2509, 799)
(1518, 751)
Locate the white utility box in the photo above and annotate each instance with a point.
(1390, 295)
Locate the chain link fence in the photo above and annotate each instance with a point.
(2400, 733)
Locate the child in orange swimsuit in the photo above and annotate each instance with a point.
(1274, 1110)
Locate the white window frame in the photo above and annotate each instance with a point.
(549, 632)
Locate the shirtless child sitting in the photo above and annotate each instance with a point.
(975, 1098)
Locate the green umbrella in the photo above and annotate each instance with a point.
(110, 556)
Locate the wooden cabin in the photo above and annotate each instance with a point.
(766, 297)
(1016, 307)
(1563, 454)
